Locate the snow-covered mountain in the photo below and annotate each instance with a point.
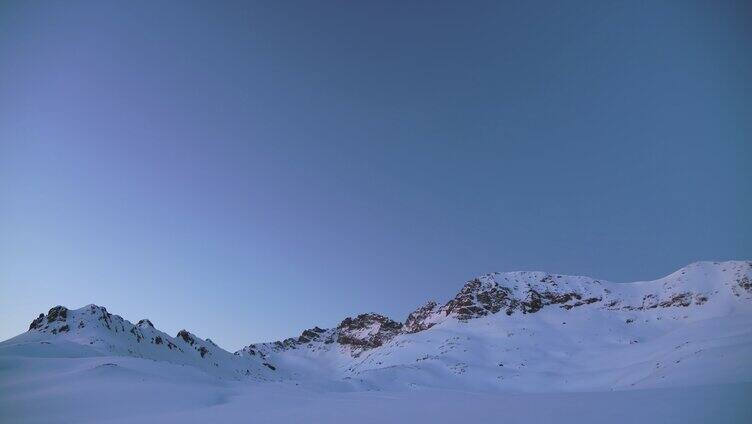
(93, 331)
(503, 332)
(537, 331)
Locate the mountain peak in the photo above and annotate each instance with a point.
(144, 323)
(55, 316)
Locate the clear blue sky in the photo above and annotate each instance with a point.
(247, 170)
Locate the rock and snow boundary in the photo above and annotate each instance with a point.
(541, 338)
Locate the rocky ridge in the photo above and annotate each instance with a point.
(95, 328)
(523, 292)
(514, 294)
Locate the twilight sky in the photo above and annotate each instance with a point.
(247, 170)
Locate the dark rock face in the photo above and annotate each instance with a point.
(652, 301)
(416, 320)
(58, 313)
(681, 299)
(137, 334)
(310, 335)
(745, 283)
(186, 336)
(191, 340)
(312, 338)
(583, 302)
(477, 300)
(253, 350)
(145, 322)
(367, 331)
(288, 343)
(535, 301)
(307, 336)
(37, 323)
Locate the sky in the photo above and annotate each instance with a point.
(248, 170)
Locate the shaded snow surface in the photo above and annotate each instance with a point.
(515, 348)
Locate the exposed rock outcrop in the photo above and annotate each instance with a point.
(145, 323)
(37, 323)
(478, 298)
(58, 313)
(418, 320)
(367, 331)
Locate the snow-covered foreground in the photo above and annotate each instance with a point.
(128, 390)
(515, 347)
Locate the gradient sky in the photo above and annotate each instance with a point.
(247, 170)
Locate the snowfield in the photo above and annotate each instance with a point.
(515, 347)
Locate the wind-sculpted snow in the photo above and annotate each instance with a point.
(512, 332)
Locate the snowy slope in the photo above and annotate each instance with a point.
(131, 390)
(533, 331)
(563, 342)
